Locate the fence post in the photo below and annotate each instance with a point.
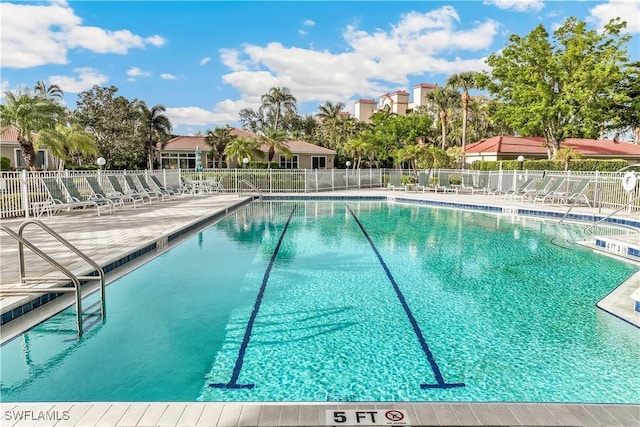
(270, 180)
(25, 192)
(346, 176)
(164, 177)
(333, 179)
(316, 173)
(305, 180)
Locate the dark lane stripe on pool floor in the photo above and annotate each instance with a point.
(233, 382)
(416, 328)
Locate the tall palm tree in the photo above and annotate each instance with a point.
(52, 92)
(275, 140)
(156, 127)
(241, 148)
(412, 154)
(29, 114)
(218, 140)
(329, 110)
(464, 81)
(276, 102)
(62, 141)
(441, 101)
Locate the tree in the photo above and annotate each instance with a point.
(357, 148)
(566, 154)
(626, 112)
(329, 110)
(275, 103)
(114, 122)
(251, 119)
(410, 153)
(433, 157)
(63, 141)
(442, 101)
(218, 140)
(274, 139)
(29, 114)
(240, 148)
(464, 81)
(563, 87)
(156, 126)
(51, 92)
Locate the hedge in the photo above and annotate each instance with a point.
(551, 165)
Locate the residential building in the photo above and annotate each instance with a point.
(10, 148)
(510, 147)
(396, 103)
(180, 152)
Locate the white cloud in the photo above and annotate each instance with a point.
(308, 23)
(628, 10)
(86, 78)
(302, 32)
(168, 76)
(373, 63)
(137, 72)
(197, 116)
(205, 60)
(35, 35)
(518, 5)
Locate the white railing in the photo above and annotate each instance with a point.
(20, 192)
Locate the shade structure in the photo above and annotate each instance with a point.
(198, 159)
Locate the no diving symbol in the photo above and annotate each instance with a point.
(394, 415)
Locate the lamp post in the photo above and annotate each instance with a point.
(348, 164)
(245, 161)
(101, 161)
(521, 161)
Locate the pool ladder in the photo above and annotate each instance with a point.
(251, 186)
(76, 280)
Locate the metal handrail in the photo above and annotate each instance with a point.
(611, 214)
(76, 282)
(251, 186)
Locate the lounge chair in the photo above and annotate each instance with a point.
(579, 193)
(548, 193)
(444, 184)
(74, 194)
(147, 188)
(99, 193)
(162, 187)
(133, 189)
(394, 181)
(469, 186)
(533, 189)
(59, 200)
(522, 188)
(118, 190)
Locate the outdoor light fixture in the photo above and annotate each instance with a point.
(348, 164)
(521, 161)
(245, 161)
(101, 161)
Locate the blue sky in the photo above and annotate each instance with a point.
(206, 60)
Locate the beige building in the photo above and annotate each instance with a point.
(10, 148)
(180, 152)
(397, 102)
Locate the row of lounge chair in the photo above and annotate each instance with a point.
(63, 193)
(547, 190)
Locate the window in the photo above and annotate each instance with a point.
(41, 161)
(318, 162)
(291, 163)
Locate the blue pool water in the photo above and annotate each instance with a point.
(355, 301)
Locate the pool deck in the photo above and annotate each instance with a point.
(111, 237)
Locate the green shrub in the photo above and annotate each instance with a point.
(455, 180)
(433, 181)
(5, 163)
(551, 165)
(407, 179)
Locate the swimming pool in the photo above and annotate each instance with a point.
(347, 301)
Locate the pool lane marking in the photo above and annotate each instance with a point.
(233, 382)
(441, 383)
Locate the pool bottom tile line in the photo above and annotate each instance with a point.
(440, 382)
(233, 382)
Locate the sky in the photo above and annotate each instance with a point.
(205, 60)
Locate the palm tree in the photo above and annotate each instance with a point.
(52, 92)
(274, 139)
(277, 101)
(464, 81)
(433, 157)
(62, 141)
(329, 110)
(566, 154)
(156, 126)
(357, 148)
(218, 140)
(242, 148)
(29, 114)
(441, 100)
(412, 154)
